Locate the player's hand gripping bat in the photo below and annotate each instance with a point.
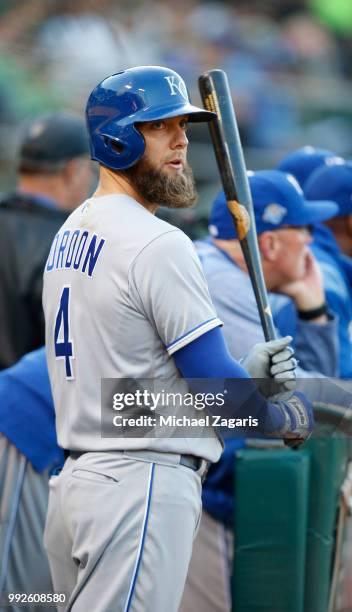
(216, 96)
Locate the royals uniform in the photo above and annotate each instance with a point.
(123, 290)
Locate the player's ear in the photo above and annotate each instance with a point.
(269, 245)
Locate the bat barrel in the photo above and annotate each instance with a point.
(216, 95)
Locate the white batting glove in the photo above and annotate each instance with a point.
(272, 362)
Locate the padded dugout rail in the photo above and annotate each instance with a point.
(328, 451)
(271, 491)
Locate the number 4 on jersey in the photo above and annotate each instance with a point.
(64, 348)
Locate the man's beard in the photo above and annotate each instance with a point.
(158, 187)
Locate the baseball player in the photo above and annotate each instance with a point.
(124, 297)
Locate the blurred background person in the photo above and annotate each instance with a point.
(28, 454)
(282, 218)
(332, 246)
(54, 175)
(330, 180)
(333, 179)
(303, 161)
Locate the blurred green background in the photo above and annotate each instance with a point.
(288, 62)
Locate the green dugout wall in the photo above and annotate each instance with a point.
(287, 505)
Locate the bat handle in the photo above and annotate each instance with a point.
(261, 296)
(268, 327)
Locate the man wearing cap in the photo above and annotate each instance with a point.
(331, 180)
(332, 247)
(302, 162)
(282, 218)
(55, 173)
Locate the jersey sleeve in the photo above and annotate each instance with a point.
(167, 285)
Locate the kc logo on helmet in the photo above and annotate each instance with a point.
(177, 85)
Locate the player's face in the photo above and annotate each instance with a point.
(163, 176)
(166, 143)
(292, 253)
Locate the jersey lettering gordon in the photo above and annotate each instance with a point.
(75, 249)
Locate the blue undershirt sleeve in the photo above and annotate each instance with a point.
(208, 357)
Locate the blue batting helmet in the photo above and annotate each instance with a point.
(136, 95)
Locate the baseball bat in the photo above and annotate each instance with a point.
(215, 92)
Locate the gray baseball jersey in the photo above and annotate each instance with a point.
(123, 290)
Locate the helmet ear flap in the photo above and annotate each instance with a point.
(118, 150)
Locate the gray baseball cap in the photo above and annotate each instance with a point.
(50, 141)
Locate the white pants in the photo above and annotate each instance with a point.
(120, 529)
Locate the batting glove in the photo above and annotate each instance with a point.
(272, 362)
(291, 419)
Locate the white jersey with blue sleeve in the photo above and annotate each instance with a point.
(123, 291)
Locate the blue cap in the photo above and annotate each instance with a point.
(302, 162)
(333, 182)
(278, 201)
